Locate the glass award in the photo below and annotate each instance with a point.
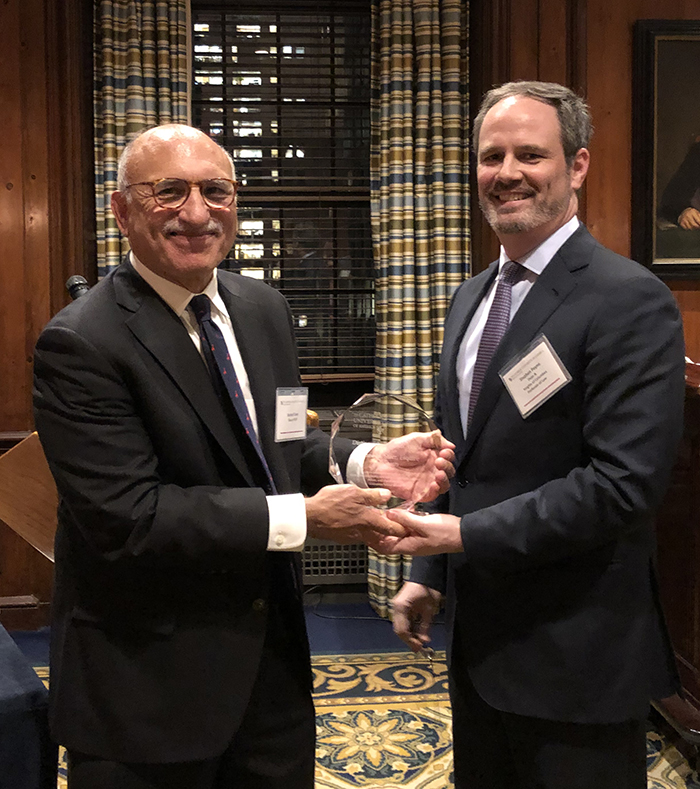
(377, 419)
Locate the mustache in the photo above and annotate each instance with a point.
(175, 226)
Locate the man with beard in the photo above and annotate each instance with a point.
(179, 657)
(561, 384)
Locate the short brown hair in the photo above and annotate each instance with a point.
(573, 112)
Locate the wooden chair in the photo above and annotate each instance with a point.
(28, 498)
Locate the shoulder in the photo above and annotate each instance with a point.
(253, 290)
(96, 309)
(604, 269)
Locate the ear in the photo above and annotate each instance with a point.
(579, 168)
(120, 209)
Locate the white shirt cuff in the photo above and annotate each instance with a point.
(354, 472)
(287, 522)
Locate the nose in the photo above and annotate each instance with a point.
(510, 169)
(194, 210)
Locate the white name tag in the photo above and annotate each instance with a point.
(534, 375)
(290, 413)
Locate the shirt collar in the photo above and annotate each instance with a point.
(174, 295)
(537, 260)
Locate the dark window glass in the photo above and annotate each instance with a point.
(285, 87)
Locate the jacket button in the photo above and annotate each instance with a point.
(462, 482)
(260, 605)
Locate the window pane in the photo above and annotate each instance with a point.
(285, 87)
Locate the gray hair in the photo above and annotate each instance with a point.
(574, 114)
(178, 129)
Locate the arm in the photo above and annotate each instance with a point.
(633, 388)
(136, 470)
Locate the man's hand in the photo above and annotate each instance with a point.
(347, 514)
(416, 467)
(414, 608)
(690, 219)
(425, 535)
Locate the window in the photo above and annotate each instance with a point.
(285, 88)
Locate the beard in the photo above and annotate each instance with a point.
(538, 214)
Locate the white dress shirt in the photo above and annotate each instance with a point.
(287, 512)
(534, 264)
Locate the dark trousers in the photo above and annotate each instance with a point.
(273, 748)
(498, 750)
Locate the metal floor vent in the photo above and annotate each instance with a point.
(326, 562)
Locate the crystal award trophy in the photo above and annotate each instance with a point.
(377, 419)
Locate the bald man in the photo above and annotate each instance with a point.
(179, 655)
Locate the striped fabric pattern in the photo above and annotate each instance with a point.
(140, 80)
(420, 205)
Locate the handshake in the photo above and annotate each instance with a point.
(416, 468)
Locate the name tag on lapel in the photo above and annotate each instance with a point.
(534, 375)
(290, 413)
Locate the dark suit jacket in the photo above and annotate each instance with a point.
(553, 597)
(163, 580)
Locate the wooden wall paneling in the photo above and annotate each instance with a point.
(554, 41)
(14, 374)
(609, 189)
(609, 93)
(70, 141)
(24, 573)
(489, 63)
(687, 293)
(524, 37)
(36, 257)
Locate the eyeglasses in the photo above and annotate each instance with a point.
(173, 192)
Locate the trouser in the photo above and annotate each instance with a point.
(272, 749)
(499, 750)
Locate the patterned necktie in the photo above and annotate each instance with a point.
(220, 366)
(494, 329)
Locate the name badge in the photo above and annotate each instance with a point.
(534, 375)
(290, 413)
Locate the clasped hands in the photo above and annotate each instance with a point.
(417, 468)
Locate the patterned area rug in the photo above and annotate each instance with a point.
(383, 722)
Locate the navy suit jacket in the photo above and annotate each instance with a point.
(163, 580)
(554, 597)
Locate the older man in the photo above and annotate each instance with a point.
(561, 384)
(179, 655)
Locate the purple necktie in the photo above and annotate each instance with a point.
(219, 362)
(494, 329)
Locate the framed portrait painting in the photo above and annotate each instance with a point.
(666, 147)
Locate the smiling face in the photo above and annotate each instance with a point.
(526, 188)
(183, 245)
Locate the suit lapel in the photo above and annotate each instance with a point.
(164, 336)
(548, 293)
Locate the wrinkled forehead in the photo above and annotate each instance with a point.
(177, 155)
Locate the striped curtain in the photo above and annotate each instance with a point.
(420, 205)
(140, 80)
